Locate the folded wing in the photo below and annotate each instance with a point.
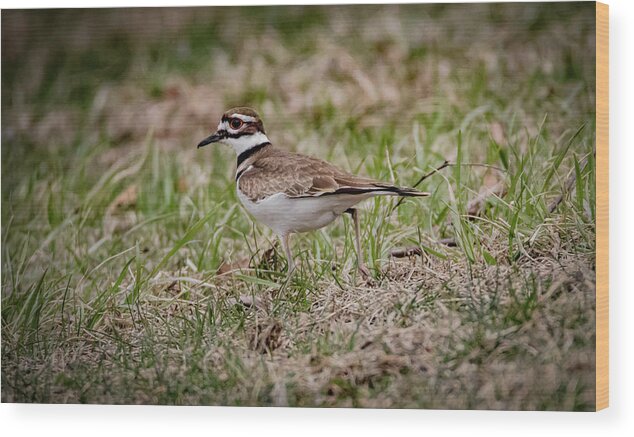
(302, 176)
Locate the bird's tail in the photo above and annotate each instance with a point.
(401, 191)
(379, 189)
(409, 192)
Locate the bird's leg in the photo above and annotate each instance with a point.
(287, 251)
(363, 270)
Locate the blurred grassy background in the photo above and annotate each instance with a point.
(119, 238)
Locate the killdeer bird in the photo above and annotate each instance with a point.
(290, 192)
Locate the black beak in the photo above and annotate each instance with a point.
(212, 139)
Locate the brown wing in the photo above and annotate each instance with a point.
(303, 176)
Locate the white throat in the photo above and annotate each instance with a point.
(245, 142)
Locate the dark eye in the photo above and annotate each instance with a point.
(235, 123)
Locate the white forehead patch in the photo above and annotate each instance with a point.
(245, 118)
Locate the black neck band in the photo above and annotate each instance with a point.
(250, 152)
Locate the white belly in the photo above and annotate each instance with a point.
(288, 215)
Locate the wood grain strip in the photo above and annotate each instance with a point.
(602, 196)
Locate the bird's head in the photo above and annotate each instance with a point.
(240, 128)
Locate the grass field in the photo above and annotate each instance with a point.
(130, 274)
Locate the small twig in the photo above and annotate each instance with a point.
(406, 252)
(570, 182)
(436, 170)
(422, 178)
(449, 242)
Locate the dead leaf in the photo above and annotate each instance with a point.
(119, 214)
(174, 287)
(491, 186)
(182, 185)
(266, 336)
(497, 133)
(247, 301)
(230, 267)
(126, 200)
(269, 258)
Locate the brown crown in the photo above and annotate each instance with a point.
(242, 110)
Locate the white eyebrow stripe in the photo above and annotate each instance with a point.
(243, 117)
